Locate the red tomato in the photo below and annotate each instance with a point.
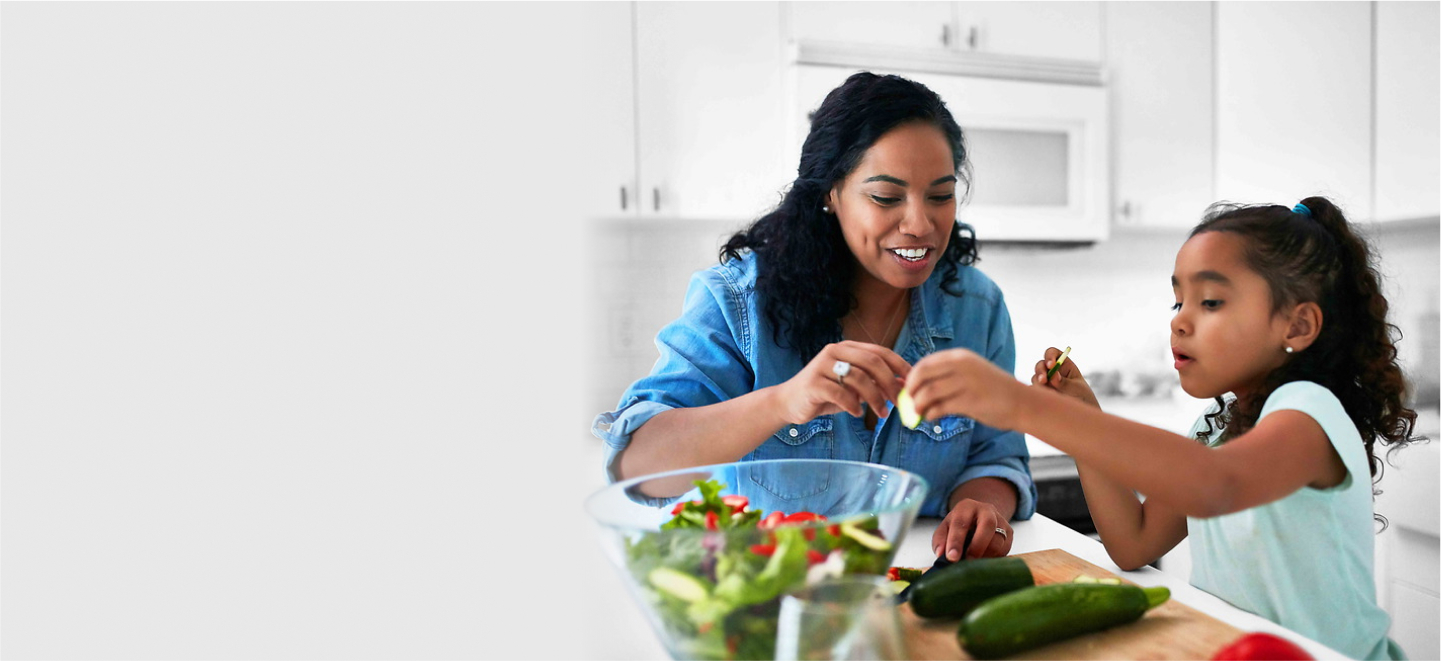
(736, 502)
(772, 520)
(712, 521)
(767, 550)
(1261, 647)
(815, 556)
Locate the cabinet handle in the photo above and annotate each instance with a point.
(622, 198)
(971, 38)
(655, 193)
(945, 35)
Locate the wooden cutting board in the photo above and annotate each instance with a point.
(1172, 630)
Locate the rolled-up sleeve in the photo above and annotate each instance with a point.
(703, 361)
(996, 452)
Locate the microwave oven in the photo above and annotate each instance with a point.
(1038, 150)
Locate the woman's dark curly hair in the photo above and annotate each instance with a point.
(1318, 258)
(805, 267)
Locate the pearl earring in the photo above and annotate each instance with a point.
(1290, 350)
(826, 209)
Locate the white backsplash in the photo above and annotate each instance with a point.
(1110, 302)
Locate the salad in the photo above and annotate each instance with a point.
(716, 571)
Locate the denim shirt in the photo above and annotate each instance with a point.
(722, 347)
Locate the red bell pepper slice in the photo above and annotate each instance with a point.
(771, 521)
(815, 556)
(736, 502)
(712, 522)
(681, 505)
(766, 550)
(801, 517)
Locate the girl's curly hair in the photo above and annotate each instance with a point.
(805, 267)
(1319, 258)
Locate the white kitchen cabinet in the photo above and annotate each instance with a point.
(903, 24)
(607, 184)
(1052, 30)
(1160, 60)
(1057, 30)
(1293, 111)
(710, 117)
(1408, 110)
(1408, 553)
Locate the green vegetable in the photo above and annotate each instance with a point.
(677, 584)
(1015, 622)
(956, 589)
(1059, 361)
(907, 408)
(714, 574)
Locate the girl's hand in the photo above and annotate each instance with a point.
(1067, 380)
(959, 382)
(817, 391)
(978, 521)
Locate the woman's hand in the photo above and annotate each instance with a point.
(977, 520)
(817, 391)
(1067, 380)
(960, 382)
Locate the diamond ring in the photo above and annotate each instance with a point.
(1001, 532)
(841, 369)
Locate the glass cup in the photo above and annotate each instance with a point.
(847, 617)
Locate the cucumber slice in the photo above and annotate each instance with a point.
(677, 584)
(864, 538)
(907, 408)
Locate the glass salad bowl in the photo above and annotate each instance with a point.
(708, 552)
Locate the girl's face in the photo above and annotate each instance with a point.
(1224, 336)
(897, 208)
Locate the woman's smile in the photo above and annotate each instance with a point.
(913, 259)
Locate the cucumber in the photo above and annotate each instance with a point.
(1021, 620)
(907, 408)
(953, 590)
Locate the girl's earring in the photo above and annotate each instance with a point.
(1290, 350)
(826, 209)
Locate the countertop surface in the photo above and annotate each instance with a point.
(1042, 533)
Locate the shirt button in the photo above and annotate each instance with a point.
(794, 433)
(936, 429)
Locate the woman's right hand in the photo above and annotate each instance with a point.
(875, 377)
(1067, 380)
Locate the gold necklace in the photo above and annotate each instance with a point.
(894, 316)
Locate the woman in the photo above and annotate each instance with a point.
(784, 349)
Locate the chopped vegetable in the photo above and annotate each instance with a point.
(1059, 361)
(907, 408)
(717, 590)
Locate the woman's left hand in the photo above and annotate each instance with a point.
(960, 382)
(981, 521)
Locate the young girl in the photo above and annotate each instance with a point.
(1282, 309)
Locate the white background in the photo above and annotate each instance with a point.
(298, 326)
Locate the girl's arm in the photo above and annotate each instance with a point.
(1284, 452)
(1135, 533)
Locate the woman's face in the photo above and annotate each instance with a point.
(896, 209)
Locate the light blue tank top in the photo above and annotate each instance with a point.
(1305, 561)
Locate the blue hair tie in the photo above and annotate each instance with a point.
(1301, 209)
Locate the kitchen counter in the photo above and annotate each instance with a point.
(1041, 533)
